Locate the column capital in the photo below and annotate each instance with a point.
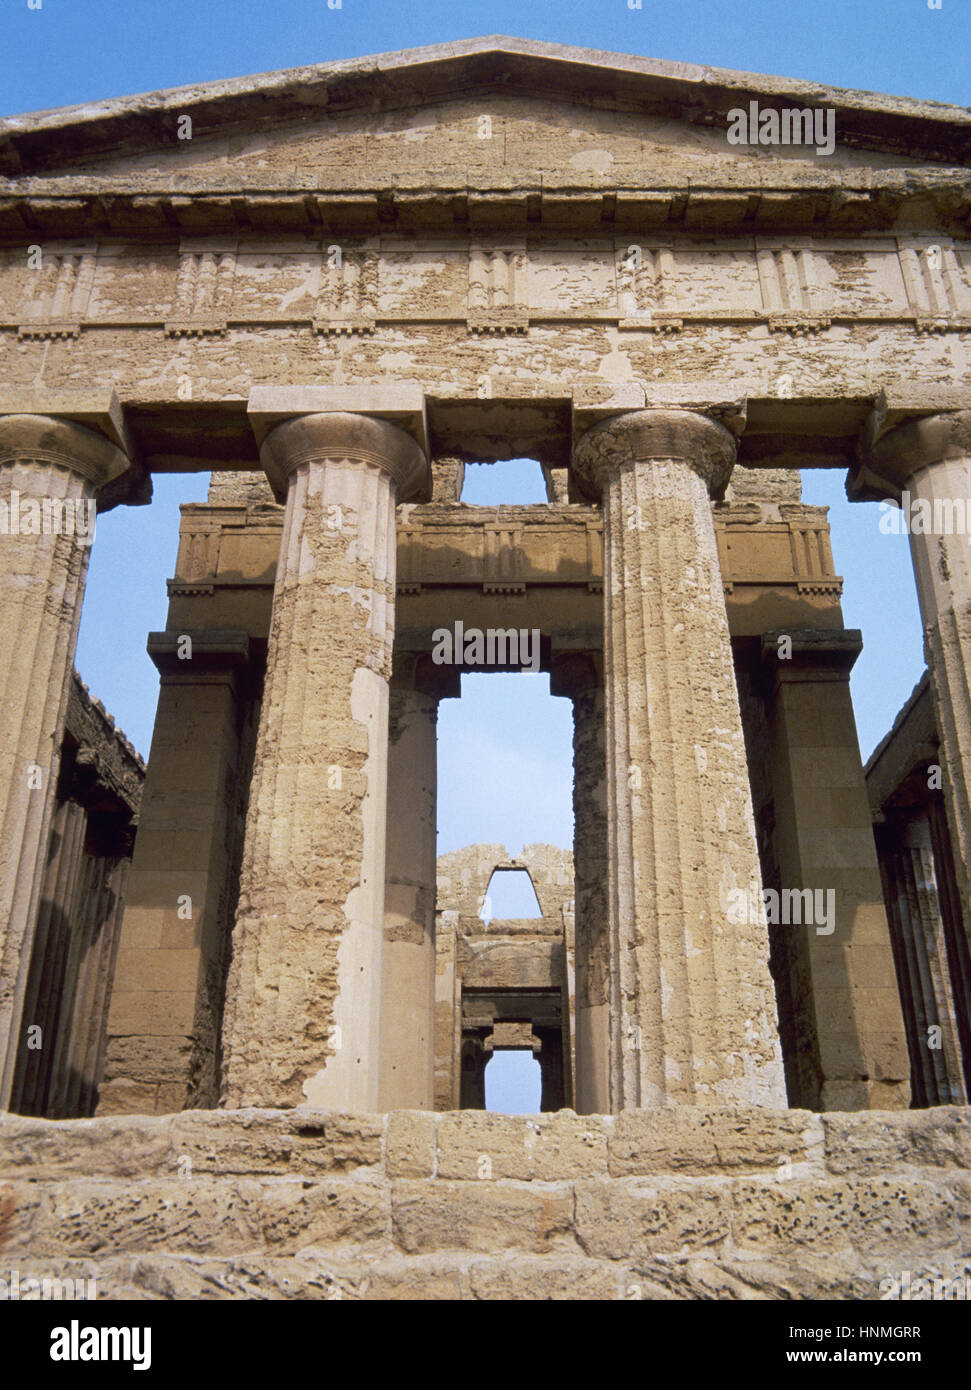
(573, 674)
(644, 436)
(211, 656)
(809, 654)
(48, 439)
(340, 436)
(920, 442)
(416, 671)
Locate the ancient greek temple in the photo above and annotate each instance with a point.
(332, 288)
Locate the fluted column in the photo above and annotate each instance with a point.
(576, 676)
(408, 969)
(48, 468)
(304, 995)
(930, 459)
(692, 1007)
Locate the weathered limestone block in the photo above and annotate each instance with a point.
(213, 1142)
(410, 1144)
(448, 477)
(204, 1215)
(877, 1142)
(316, 1204)
(305, 1142)
(930, 459)
(644, 1142)
(631, 1217)
(883, 1218)
(50, 473)
(240, 489)
(693, 1018)
(478, 1144)
(567, 1278)
(123, 1146)
(303, 1002)
(481, 1216)
(764, 484)
(729, 1277)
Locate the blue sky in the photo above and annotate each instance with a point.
(505, 748)
(77, 50)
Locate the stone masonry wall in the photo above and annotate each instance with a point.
(662, 1204)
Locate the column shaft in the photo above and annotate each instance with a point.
(304, 1000)
(926, 464)
(577, 677)
(448, 1012)
(957, 950)
(408, 983)
(50, 471)
(930, 461)
(693, 1016)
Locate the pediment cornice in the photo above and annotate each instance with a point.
(701, 96)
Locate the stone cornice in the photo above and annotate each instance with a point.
(108, 764)
(809, 201)
(701, 96)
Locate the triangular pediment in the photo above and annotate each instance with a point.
(563, 114)
(495, 137)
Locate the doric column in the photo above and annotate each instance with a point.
(907, 860)
(957, 947)
(577, 676)
(550, 1058)
(50, 472)
(930, 460)
(692, 1008)
(448, 1011)
(475, 1058)
(304, 998)
(408, 969)
(46, 990)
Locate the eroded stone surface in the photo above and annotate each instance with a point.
(323, 1205)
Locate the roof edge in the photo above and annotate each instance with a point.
(111, 125)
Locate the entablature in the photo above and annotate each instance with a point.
(646, 281)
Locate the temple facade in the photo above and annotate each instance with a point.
(330, 289)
